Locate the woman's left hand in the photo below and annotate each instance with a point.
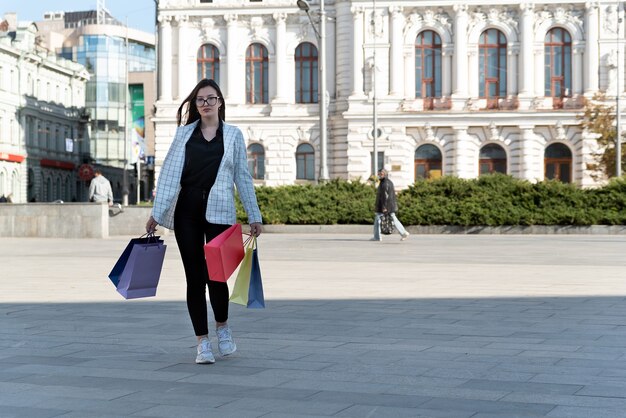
(256, 229)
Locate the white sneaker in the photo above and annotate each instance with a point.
(225, 342)
(405, 236)
(205, 353)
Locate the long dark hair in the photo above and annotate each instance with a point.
(191, 113)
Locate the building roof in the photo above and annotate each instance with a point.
(87, 17)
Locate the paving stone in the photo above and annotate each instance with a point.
(461, 326)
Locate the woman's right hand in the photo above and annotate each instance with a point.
(151, 225)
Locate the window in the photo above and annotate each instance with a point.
(256, 74)
(208, 63)
(306, 73)
(428, 67)
(380, 161)
(558, 163)
(558, 65)
(305, 162)
(492, 159)
(206, 1)
(492, 66)
(256, 161)
(427, 162)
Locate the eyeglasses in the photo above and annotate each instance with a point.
(211, 101)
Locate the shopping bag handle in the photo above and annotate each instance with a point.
(150, 236)
(250, 241)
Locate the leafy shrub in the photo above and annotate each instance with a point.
(490, 200)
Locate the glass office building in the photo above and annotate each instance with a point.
(104, 57)
(104, 48)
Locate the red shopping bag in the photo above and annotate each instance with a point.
(224, 253)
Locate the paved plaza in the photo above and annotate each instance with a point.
(438, 326)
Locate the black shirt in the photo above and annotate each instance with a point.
(202, 159)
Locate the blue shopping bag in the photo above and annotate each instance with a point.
(138, 270)
(256, 299)
(114, 275)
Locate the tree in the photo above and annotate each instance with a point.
(599, 117)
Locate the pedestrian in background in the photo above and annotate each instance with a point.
(195, 198)
(100, 189)
(386, 205)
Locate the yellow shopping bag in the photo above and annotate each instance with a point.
(242, 283)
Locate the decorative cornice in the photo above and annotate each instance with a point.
(460, 9)
(279, 17)
(357, 10)
(164, 19)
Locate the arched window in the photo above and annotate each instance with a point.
(15, 186)
(57, 189)
(67, 193)
(256, 161)
(492, 159)
(558, 163)
(306, 73)
(30, 192)
(492, 66)
(208, 63)
(256, 74)
(305, 162)
(48, 195)
(428, 67)
(558, 65)
(427, 162)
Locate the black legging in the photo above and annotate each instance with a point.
(192, 231)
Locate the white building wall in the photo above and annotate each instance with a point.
(46, 93)
(524, 125)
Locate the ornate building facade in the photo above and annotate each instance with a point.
(460, 88)
(42, 119)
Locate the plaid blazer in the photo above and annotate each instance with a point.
(233, 171)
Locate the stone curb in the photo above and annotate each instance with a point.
(454, 229)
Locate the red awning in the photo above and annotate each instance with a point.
(64, 165)
(11, 157)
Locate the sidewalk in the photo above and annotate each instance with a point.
(437, 326)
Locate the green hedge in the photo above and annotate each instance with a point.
(489, 200)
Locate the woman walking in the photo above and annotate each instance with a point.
(195, 198)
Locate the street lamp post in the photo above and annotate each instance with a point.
(618, 112)
(374, 113)
(321, 96)
(125, 190)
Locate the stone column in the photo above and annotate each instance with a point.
(471, 76)
(281, 58)
(459, 83)
(589, 149)
(539, 72)
(446, 72)
(591, 48)
(512, 71)
(357, 51)
(577, 69)
(165, 41)
(184, 79)
(396, 65)
(526, 57)
(527, 154)
(231, 51)
(464, 156)
(409, 74)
